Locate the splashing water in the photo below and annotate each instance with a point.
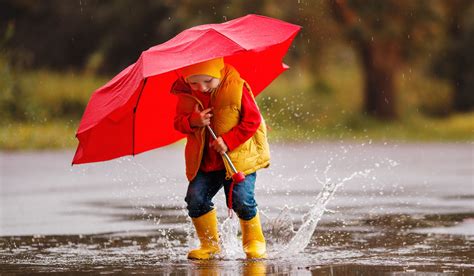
(230, 244)
(286, 242)
(282, 240)
(310, 220)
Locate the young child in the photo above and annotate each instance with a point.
(212, 93)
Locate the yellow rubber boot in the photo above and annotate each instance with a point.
(206, 229)
(253, 240)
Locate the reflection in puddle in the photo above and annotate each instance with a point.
(395, 224)
(465, 227)
(389, 246)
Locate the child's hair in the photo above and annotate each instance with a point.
(210, 67)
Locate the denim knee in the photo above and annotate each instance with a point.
(243, 198)
(198, 196)
(197, 205)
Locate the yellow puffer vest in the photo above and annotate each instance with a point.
(250, 156)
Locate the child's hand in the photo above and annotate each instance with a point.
(200, 118)
(219, 145)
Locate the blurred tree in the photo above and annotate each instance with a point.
(385, 34)
(107, 35)
(317, 34)
(455, 61)
(132, 27)
(49, 33)
(68, 34)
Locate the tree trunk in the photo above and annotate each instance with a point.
(459, 57)
(380, 62)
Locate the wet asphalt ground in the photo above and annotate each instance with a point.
(410, 212)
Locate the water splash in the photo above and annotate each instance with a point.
(280, 231)
(283, 241)
(230, 243)
(302, 237)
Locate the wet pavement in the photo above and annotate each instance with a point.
(398, 209)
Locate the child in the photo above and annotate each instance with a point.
(212, 93)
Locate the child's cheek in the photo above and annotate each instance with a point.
(215, 83)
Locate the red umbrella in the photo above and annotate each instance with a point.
(134, 111)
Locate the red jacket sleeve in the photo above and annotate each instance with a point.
(181, 118)
(181, 124)
(250, 119)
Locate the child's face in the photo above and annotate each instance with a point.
(203, 83)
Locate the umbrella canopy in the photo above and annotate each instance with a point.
(134, 111)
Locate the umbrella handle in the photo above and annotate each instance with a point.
(237, 177)
(213, 134)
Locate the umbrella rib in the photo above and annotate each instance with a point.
(228, 38)
(134, 115)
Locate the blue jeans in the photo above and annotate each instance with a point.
(205, 186)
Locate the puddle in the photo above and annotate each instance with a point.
(390, 245)
(128, 216)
